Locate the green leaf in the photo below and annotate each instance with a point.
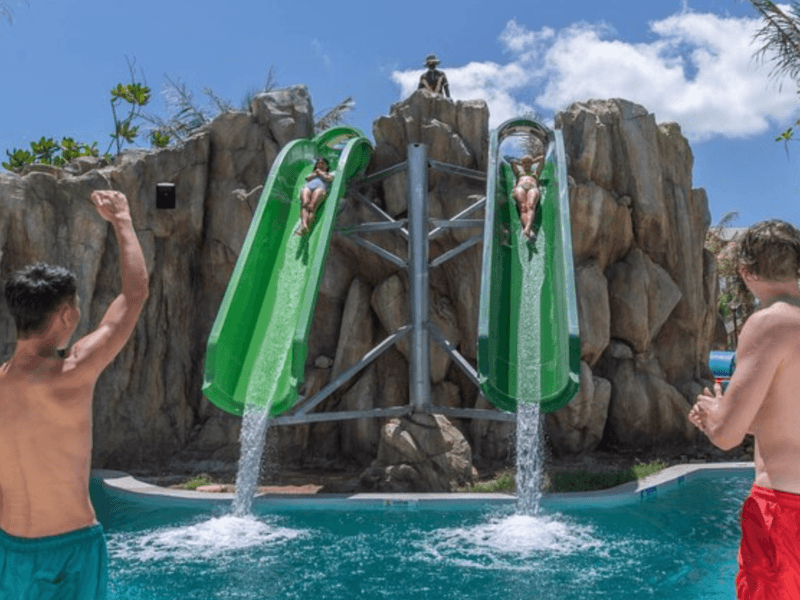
(18, 159)
(159, 139)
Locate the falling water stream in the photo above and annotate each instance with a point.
(529, 459)
(529, 385)
(255, 423)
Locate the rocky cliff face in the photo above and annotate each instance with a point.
(646, 287)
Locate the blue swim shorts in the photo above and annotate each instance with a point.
(70, 566)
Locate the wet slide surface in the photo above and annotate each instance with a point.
(528, 339)
(257, 348)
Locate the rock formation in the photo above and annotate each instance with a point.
(645, 282)
(420, 453)
(646, 288)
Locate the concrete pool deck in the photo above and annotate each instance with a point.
(125, 486)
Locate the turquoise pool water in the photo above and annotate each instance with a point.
(679, 543)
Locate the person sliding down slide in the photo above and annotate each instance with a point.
(527, 192)
(762, 399)
(313, 193)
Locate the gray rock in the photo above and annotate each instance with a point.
(420, 453)
(602, 228)
(390, 302)
(644, 409)
(641, 297)
(359, 437)
(355, 337)
(578, 427)
(594, 315)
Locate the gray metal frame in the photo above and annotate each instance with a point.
(415, 230)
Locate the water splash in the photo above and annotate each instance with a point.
(212, 538)
(509, 542)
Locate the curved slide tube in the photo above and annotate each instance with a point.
(257, 348)
(528, 340)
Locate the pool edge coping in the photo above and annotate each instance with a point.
(124, 484)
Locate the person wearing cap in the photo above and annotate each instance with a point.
(434, 80)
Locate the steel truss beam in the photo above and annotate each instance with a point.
(417, 266)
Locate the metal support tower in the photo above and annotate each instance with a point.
(416, 231)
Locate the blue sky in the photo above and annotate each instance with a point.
(685, 61)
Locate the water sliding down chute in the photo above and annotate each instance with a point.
(257, 348)
(528, 339)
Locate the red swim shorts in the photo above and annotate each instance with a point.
(769, 557)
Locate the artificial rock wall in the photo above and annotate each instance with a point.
(646, 287)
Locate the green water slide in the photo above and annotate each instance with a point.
(528, 340)
(258, 345)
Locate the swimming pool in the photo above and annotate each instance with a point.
(679, 543)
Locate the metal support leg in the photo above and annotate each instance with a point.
(419, 364)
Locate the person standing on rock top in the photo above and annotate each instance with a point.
(434, 80)
(51, 545)
(762, 399)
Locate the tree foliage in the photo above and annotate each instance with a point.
(735, 302)
(185, 116)
(779, 44)
(49, 152)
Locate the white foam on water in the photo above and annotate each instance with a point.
(503, 541)
(205, 540)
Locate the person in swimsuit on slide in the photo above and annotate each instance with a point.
(51, 545)
(313, 193)
(763, 399)
(527, 192)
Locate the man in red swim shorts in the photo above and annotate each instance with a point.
(763, 399)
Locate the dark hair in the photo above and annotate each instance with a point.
(324, 160)
(35, 292)
(770, 250)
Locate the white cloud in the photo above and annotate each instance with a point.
(320, 52)
(489, 81)
(699, 71)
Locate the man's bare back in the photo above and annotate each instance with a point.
(45, 442)
(776, 425)
(46, 400)
(763, 397)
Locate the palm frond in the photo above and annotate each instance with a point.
(333, 116)
(779, 38)
(221, 104)
(270, 83)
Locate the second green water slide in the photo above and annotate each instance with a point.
(528, 340)
(257, 348)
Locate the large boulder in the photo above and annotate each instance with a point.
(420, 453)
(644, 409)
(578, 427)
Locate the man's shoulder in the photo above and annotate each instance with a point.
(776, 321)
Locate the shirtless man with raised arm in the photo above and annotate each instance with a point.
(763, 399)
(51, 544)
